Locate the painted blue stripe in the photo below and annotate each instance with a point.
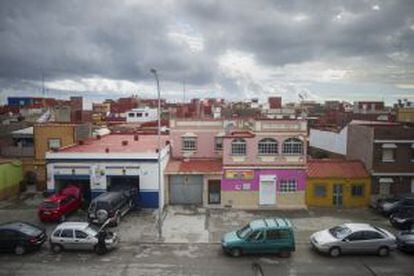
(72, 176)
(147, 200)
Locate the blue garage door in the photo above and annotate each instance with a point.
(186, 189)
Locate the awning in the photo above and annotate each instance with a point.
(386, 180)
(389, 146)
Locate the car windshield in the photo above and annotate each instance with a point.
(28, 229)
(50, 204)
(340, 231)
(244, 232)
(92, 230)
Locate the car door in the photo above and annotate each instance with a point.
(6, 240)
(255, 242)
(81, 240)
(372, 241)
(67, 238)
(353, 243)
(278, 240)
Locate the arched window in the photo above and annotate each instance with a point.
(238, 147)
(268, 146)
(292, 146)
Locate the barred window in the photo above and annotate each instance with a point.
(292, 146)
(218, 143)
(238, 147)
(189, 144)
(268, 146)
(287, 186)
(357, 190)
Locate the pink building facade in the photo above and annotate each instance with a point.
(264, 167)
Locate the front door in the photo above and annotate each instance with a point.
(254, 243)
(267, 190)
(214, 192)
(337, 195)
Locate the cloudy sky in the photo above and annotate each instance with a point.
(347, 50)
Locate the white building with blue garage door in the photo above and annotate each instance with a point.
(110, 162)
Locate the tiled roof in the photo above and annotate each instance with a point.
(118, 143)
(336, 168)
(212, 166)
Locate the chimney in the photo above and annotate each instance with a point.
(136, 137)
(125, 142)
(167, 142)
(98, 137)
(81, 142)
(107, 150)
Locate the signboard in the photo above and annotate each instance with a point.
(239, 174)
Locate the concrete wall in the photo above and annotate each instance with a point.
(360, 144)
(44, 132)
(329, 140)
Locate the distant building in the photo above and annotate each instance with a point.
(275, 102)
(405, 114)
(141, 115)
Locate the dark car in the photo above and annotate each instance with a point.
(403, 220)
(21, 237)
(405, 240)
(394, 205)
(112, 206)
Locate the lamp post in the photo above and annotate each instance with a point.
(154, 72)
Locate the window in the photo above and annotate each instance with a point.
(139, 115)
(80, 234)
(131, 115)
(54, 143)
(287, 186)
(67, 233)
(277, 234)
(256, 236)
(238, 147)
(57, 233)
(356, 236)
(267, 146)
(357, 190)
(218, 143)
(189, 144)
(319, 190)
(292, 146)
(371, 235)
(388, 155)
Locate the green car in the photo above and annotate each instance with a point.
(270, 235)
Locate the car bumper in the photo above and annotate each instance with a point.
(318, 247)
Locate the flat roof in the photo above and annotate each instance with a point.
(118, 143)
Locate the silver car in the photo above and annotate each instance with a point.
(353, 238)
(80, 236)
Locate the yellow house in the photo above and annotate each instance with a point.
(337, 183)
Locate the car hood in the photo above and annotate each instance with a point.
(407, 236)
(230, 237)
(323, 237)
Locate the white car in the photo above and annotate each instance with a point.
(354, 238)
(80, 236)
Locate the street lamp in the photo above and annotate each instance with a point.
(153, 71)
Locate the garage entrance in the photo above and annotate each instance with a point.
(186, 189)
(123, 182)
(81, 181)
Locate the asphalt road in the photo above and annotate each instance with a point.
(199, 259)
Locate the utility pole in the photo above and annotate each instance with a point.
(153, 71)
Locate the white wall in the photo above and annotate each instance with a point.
(329, 140)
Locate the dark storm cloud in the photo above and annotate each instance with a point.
(123, 39)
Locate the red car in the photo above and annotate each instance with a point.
(57, 206)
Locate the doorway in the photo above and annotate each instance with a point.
(214, 190)
(337, 195)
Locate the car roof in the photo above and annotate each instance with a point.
(15, 225)
(272, 223)
(360, 227)
(73, 225)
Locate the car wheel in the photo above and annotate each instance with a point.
(19, 249)
(236, 252)
(56, 248)
(383, 251)
(334, 252)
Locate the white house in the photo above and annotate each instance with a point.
(141, 115)
(112, 161)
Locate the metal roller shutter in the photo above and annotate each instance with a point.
(186, 189)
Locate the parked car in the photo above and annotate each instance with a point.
(353, 238)
(270, 235)
(112, 206)
(393, 205)
(80, 236)
(59, 205)
(405, 240)
(20, 237)
(403, 220)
